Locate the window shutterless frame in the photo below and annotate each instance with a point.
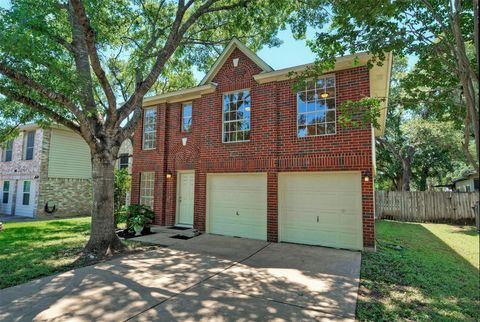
(147, 185)
(149, 131)
(230, 122)
(28, 145)
(186, 117)
(7, 151)
(311, 111)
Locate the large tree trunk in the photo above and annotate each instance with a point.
(103, 239)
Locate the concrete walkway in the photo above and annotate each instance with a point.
(9, 218)
(206, 278)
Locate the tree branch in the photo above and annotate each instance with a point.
(23, 80)
(174, 38)
(79, 11)
(34, 105)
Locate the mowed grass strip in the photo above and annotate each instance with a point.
(433, 277)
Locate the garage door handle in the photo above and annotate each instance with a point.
(238, 214)
(317, 218)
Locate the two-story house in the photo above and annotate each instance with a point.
(45, 173)
(243, 154)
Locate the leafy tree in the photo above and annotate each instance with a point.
(419, 146)
(88, 64)
(440, 33)
(122, 185)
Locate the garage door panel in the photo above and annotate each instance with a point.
(321, 209)
(238, 205)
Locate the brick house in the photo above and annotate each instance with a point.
(244, 155)
(51, 166)
(43, 166)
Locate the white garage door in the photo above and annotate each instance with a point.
(321, 209)
(237, 205)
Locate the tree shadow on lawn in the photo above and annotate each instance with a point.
(467, 230)
(426, 280)
(35, 249)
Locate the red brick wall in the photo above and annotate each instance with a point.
(273, 146)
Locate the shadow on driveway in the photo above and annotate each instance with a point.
(205, 278)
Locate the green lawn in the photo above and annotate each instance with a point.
(30, 250)
(435, 276)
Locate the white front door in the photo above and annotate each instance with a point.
(25, 203)
(237, 205)
(7, 197)
(185, 198)
(321, 209)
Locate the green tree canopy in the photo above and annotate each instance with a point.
(88, 64)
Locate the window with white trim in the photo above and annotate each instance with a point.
(147, 181)
(236, 117)
(123, 161)
(26, 193)
(149, 128)
(186, 117)
(28, 145)
(316, 108)
(7, 151)
(6, 192)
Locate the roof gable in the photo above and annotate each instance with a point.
(234, 43)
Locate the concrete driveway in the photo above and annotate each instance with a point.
(206, 278)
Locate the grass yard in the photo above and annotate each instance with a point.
(29, 250)
(435, 276)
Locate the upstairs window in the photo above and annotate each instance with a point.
(6, 192)
(28, 145)
(7, 151)
(236, 117)
(186, 117)
(149, 128)
(316, 109)
(123, 161)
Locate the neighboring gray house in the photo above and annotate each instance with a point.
(468, 183)
(43, 168)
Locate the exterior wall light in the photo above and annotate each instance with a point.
(235, 62)
(366, 175)
(184, 141)
(168, 175)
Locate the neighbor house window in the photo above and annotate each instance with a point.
(236, 116)
(316, 112)
(147, 180)
(28, 145)
(149, 128)
(7, 151)
(123, 161)
(26, 193)
(186, 117)
(6, 191)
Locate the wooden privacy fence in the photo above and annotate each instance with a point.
(427, 206)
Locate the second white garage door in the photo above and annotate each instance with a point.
(321, 209)
(237, 205)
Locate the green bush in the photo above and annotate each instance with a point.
(140, 215)
(122, 185)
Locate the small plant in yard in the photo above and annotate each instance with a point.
(137, 217)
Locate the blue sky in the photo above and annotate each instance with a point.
(290, 53)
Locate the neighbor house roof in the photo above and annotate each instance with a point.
(379, 78)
